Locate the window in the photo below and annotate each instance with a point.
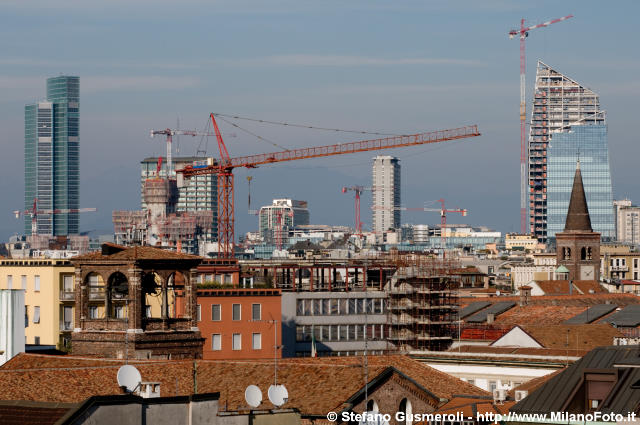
(36, 340)
(216, 342)
(26, 316)
(492, 386)
(216, 312)
(36, 314)
(118, 312)
(24, 282)
(67, 317)
(9, 282)
(256, 313)
(36, 283)
(237, 342)
(199, 313)
(256, 341)
(236, 312)
(93, 311)
(67, 283)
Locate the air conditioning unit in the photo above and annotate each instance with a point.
(499, 395)
(520, 394)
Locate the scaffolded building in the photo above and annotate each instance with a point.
(566, 121)
(423, 305)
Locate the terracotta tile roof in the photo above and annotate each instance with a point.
(566, 300)
(469, 407)
(29, 413)
(548, 352)
(315, 386)
(576, 337)
(136, 253)
(543, 315)
(467, 270)
(561, 287)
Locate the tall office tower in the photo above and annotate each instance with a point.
(386, 194)
(51, 157)
(200, 193)
(627, 222)
(566, 125)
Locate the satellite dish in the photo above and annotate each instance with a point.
(129, 377)
(498, 293)
(278, 395)
(253, 396)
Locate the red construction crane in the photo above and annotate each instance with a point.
(170, 133)
(34, 212)
(523, 33)
(224, 168)
(358, 190)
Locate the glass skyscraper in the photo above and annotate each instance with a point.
(588, 143)
(566, 124)
(51, 157)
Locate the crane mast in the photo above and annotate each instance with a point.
(224, 167)
(523, 33)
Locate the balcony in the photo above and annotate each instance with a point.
(96, 293)
(67, 296)
(66, 326)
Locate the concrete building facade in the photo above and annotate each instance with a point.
(627, 222)
(338, 323)
(386, 194)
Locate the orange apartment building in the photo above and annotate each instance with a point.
(240, 323)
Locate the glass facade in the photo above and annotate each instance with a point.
(52, 157)
(589, 144)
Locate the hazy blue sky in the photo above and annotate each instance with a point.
(390, 66)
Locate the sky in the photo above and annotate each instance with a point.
(397, 67)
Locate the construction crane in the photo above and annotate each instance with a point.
(224, 168)
(523, 33)
(34, 212)
(358, 190)
(170, 133)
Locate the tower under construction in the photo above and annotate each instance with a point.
(567, 124)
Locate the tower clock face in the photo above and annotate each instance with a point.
(586, 273)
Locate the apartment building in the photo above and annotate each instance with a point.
(240, 323)
(49, 297)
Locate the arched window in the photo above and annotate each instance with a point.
(152, 295)
(174, 298)
(583, 253)
(97, 296)
(117, 296)
(566, 253)
(589, 254)
(405, 407)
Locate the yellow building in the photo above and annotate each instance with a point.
(523, 242)
(618, 262)
(49, 297)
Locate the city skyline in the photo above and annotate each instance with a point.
(357, 78)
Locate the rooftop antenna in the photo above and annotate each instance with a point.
(253, 396)
(129, 378)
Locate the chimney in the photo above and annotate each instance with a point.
(525, 293)
(490, 318)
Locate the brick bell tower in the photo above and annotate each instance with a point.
(578, 246)
(137, 302)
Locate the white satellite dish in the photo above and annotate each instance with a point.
(129, 377)
(498, 292)
(278, 395)
(253, 396)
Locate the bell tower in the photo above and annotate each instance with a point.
(578, 246)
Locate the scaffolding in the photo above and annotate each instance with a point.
(423, 305)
